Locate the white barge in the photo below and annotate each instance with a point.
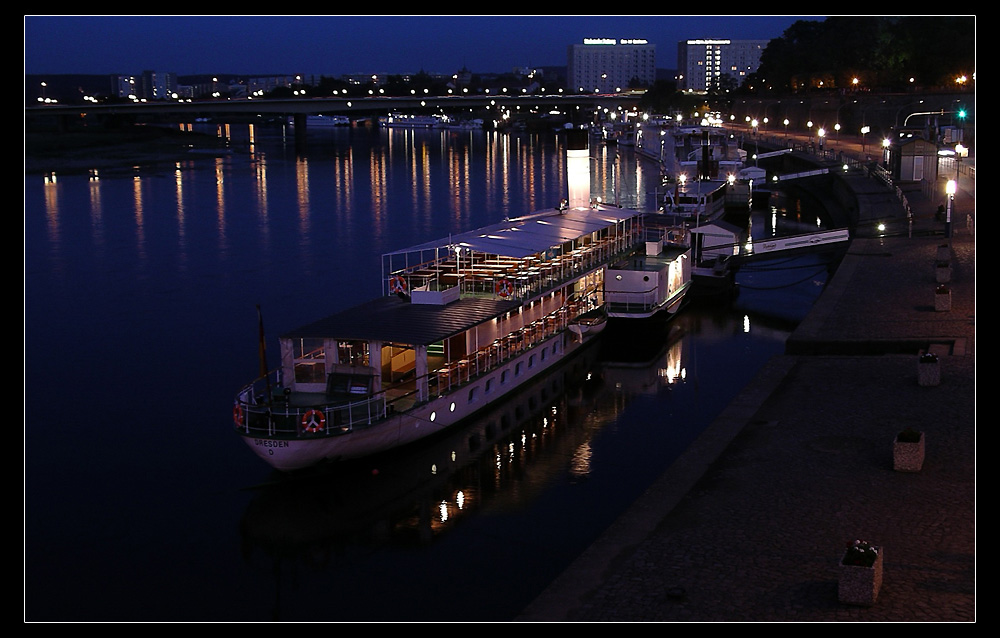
(653, 281)
(461, 323)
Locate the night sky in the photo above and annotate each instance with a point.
(335, 45)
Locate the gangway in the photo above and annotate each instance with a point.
(818, 171)
(799, 243)
(737, 253)
(773, 153)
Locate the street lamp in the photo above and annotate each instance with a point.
(821, 133)
(786, 128)
(952, 185)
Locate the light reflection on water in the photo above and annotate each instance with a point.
(140, 323)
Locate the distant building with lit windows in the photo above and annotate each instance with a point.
(607, 65)
(701, 64)
(151, 85)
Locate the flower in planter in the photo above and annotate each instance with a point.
(860, 554)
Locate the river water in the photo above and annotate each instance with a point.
(140, 323)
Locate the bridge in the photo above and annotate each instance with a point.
(577, 106)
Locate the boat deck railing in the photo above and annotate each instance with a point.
(489, 275)
(265, 407)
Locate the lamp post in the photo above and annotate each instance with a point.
(951, 187)
(786, 128)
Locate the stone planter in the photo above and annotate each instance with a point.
(942, 272)
(858, 585)
(928, 370)
(908, 456)
(942, 299)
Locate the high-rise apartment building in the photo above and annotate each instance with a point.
(701, 64)
(607, 65)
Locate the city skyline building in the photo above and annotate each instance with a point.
(608, 65)
(703, 63)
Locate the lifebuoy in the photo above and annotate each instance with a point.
(313, 421)
(397, 284)
(504, 288)
(238, 414)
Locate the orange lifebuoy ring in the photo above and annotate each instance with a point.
(504, 288)
(397, 284)
(238, 414)
(313, 421)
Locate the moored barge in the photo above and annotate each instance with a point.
(460, 323)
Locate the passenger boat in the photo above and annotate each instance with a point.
(414, 121)
(460, 324)
(327, 120)
(699, 201)
(652, 281)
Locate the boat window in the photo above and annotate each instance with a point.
(543, 353)
(472, 394)
(353, 352)
(518, 368)
(531, 361)
(309, 360)
(489, 386)
(503, 376)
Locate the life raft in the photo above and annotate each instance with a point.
(313, 421)
(397, 284)
(504, 288)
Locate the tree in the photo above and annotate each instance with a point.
(884, 51)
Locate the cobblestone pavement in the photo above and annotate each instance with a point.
(751, 523)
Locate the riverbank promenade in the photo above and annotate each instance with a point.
(751, 523)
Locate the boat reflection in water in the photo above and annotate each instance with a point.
(407, 499)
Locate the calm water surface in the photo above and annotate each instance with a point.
(141, 503)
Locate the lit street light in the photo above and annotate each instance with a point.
(952, 185)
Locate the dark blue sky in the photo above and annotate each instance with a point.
(334, 45)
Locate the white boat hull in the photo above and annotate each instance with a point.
(422, 421)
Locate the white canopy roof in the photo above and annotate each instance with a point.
(535, 233)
